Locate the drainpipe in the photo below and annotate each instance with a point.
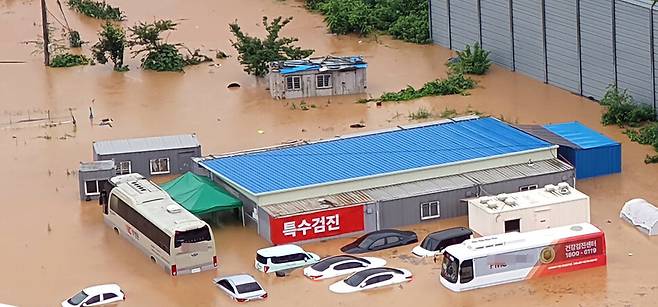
(614, 38)
(580, 49)
(429, 11)
(511, 29)
(543, 35)
(449, 25)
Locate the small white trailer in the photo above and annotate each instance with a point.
(550, 206)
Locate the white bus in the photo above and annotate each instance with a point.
(511, 257)
(171, 236)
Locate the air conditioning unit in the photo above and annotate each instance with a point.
(549, 188)
(501, 197)
(510, 201)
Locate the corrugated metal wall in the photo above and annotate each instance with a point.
(633, 50)
(596, 44)
(439, 22)
(464, 22)
(528, 38)
(562, 52)
(496, 33)
(579, 45)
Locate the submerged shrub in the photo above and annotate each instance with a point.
(472, 60)
(69, 60)
(622, 110)
(456, 83)
(411, 28)
(97, 9)
(347, 16)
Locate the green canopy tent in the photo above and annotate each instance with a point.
(200, 195)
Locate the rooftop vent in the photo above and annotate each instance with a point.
(173, 209)
(510, 201)
(484, 200)
(563, 188)
(501, 197)
(549, 188)
(492, 204)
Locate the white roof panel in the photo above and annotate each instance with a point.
(145, 144)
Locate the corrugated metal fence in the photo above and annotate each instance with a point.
(579, 45)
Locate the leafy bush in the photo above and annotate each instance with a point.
(647, 135)
(403, 19)
(97, 9)
(255, 53)
(347, 16)
(622, 110)
(456, 83)
(110, 46)
(74, 39)
(472, 60)
(164, 58)
(411, 28)
(69, 60)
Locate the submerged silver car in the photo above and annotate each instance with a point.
(241, 288)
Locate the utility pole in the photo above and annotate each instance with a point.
(46, 40)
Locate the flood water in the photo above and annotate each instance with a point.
(53, 244)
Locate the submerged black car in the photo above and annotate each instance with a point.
(378, 240)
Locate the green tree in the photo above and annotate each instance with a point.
(159, 55)
(472, 60)
(347, 16)
(255, 53)
(110, 46)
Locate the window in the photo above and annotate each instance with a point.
(225, 284)
(248, 287)
(385, 277)
(378, 244)
(348, 266)
(466, 271)
(294, 83)
(123, 168)
(93, 300)
(289, 258)
(391, 240)
(91, 187)
(528, 187)
(160, 166)
(513, 225)
(372, 281)
(323, 81)
(108, 296)
(144, 226)
(429, 210)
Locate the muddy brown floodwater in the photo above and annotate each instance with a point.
(53, 244)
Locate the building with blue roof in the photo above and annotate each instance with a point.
(431, 167)
(590, 152)
(322, 76)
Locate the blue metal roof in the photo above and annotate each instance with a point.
(580, 135)
(371, 154)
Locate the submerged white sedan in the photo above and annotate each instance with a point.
(241, 288)
(341, 265)
(101, 295)
(370, 279)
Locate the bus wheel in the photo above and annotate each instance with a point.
(280, 274)
(116, 230)
(153, 259)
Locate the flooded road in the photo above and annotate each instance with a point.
(53, 244)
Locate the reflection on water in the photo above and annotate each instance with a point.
(53, 244)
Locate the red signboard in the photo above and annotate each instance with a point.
(316, 225)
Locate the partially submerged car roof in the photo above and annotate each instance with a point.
(102, 289)
(450, 233)
(386, 232)
(280, 250)
(239, 279)
(368, 272)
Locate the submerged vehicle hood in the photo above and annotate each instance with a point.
(421, 252)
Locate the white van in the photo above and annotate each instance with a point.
(283, 259)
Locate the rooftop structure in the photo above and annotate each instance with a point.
(318, 64)
(145, 144)
(550, 195)
(383, 158)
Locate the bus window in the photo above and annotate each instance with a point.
(184, 238)
(449, 268)
(466, 271)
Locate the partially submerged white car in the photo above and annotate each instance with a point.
(282, 259)
(101, 295)
(370, 279)
(241, 288)
(341, 265)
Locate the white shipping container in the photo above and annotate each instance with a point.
(551, 206)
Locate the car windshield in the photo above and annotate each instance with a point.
(430, 244)
(261, 259)
(449, 268)
(78, 298)
(326, 263)
(364, 242)
(249, 287)
(356, 279)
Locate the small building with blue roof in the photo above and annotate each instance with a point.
(401, 176)
(322, 76)
(590, 152)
